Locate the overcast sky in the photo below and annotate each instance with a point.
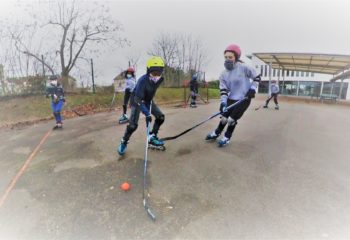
(257, 26)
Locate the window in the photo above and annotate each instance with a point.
(274, 72)
(302, 74)
(307, 74)
(263, 87)
(290, 88)
(261, 70)
(309, 88)
(292, 74)
(297, 73)
(265, 70)
(312, 74)
(287, 73)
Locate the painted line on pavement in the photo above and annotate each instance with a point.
(22, 170)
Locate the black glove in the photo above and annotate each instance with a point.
(223, 107)
(250, 93)
(148, 119)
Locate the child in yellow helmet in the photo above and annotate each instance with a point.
(142, 100)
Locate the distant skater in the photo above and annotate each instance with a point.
(274, 91)
(56, 93)
(194, 90)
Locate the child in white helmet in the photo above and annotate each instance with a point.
(274, 91)
(56, 93)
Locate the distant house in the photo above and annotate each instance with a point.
(119, 82)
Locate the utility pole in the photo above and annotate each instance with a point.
(42, 61)
(44, 79)
(92, 77)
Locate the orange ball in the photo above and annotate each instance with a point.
(125, 186)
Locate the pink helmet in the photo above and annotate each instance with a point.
(235, 49)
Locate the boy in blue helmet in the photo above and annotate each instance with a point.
(194, 90)
(56, 93)
(235, 84)
(142, 101)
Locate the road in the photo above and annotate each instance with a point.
(285, 175)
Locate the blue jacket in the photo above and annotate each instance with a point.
(144, 92)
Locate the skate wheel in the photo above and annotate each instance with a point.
(122, 122)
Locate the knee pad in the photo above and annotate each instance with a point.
(231, 121)
(131, 127)
(223, 120)
(160, 119)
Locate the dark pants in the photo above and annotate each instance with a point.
(127, 95)
(134, 119)
(231, 117)
(274, 96)
(193, 97)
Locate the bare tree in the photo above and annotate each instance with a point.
(72, 31)
(133, 60)
(165, 45)
(182, 53)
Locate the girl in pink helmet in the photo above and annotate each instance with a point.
(237, 81)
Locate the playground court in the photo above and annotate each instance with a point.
(285, 175)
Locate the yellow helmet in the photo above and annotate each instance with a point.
(155, 64)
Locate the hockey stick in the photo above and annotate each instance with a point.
(257, 108)
(211, 117)
(145, 202)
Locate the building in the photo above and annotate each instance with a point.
(303, 74)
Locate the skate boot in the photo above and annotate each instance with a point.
(123, 119)
(122, 147)
(265, 106)
(277, 107)
(58, 126)
(223, 142)
(211, 136)
(156, 144)
(193, 105)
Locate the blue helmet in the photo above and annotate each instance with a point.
(194, 77)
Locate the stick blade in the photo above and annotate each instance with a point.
(148, 210)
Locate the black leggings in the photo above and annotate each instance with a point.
(127, 95)
(274, 96)
(134, 119)
(235, 114)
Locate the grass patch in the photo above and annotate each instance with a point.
(29, 108)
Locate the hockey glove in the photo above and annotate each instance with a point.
(250, 93)
(223, 107)
(148, 119)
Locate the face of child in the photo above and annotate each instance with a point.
(155, 76)
(230, 56)
(54, 82)
(229, 60)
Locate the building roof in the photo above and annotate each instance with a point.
(307, 62)
(344, 75)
